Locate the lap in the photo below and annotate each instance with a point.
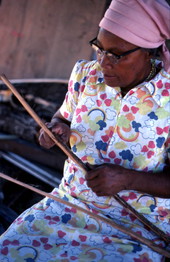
(50, 231)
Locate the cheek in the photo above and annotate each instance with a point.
(122, 78)
(129, 72)
(126, 73)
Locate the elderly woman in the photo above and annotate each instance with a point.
(116, 117)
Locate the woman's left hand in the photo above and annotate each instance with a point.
(107, 179)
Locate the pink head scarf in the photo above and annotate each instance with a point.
(145, 23)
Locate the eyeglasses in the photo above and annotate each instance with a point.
(114, 58)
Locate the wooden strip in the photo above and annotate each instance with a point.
(132, 234)
(143, 219)
(56, 139)
(78, 161)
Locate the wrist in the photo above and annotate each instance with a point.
(56, 119)
(131, 178)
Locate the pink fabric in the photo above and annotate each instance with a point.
(145, 23)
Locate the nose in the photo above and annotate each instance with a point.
(105, 62)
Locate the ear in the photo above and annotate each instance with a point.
(149, 54)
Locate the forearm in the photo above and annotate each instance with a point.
(59, 118)
(109, 179)
(156, 184)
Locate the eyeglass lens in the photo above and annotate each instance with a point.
(100, 53)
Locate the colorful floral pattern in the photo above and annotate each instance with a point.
(133, 132)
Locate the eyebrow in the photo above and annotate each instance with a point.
(115, 50)
(112, 50)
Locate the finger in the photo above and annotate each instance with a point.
(41, 131)
(100, 193)
(48, 125)
(59, 133)
(40, 138)
(52, 126)
(91, 167)
(45, 140)
(43, 136)
(95, 187)
(64, 137)
(42, 141)
(92, 173)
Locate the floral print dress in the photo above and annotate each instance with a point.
(133, 132)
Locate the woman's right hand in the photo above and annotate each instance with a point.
(58, 128)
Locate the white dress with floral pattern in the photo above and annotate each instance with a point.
(133, 132)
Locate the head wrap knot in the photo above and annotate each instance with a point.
(145, 23)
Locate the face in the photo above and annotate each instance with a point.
(130, 70)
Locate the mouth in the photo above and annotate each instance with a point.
(109, 77)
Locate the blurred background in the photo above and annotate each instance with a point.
(40, 41)
(44, 38)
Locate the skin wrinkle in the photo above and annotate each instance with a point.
(128, 72)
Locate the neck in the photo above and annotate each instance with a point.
(150, 73)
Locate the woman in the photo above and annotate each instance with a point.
(116, 117)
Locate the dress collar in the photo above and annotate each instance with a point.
(158, 87)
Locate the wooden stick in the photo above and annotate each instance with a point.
(143, 219)
(78, 161)
(56, 139)
(126, 231)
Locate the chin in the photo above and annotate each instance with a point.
(112, 83)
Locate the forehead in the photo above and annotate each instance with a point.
(111, 41)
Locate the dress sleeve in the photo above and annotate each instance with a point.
(75, 87)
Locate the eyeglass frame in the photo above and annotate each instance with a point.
(111, 54)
